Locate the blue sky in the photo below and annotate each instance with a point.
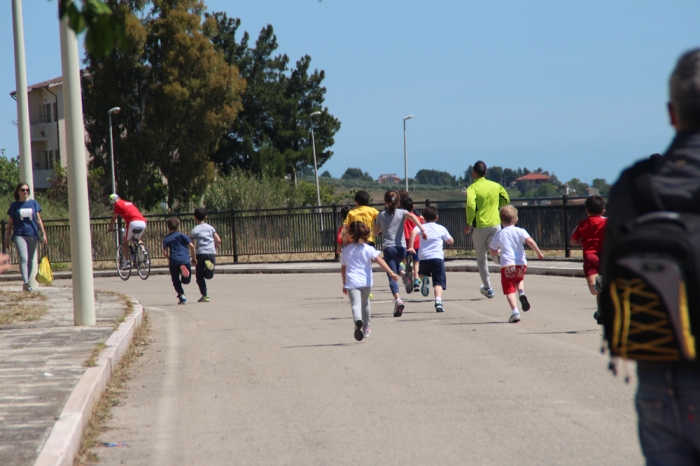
(577, 88)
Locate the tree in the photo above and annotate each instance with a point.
(356, 174)
(601, 185)
(9, 174)
(577, 187)
(105, 30)
(435, 177)
(177, 96)
(326, 174)
(272, 133)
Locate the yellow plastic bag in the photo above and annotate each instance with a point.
(45, 275)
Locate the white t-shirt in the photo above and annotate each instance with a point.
(357, 259)
(511, 241)
(203, 234)
(431, 248)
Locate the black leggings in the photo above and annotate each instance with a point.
(202, 272)
(178, 279)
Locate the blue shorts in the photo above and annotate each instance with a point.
(413, 256)
(434, 268)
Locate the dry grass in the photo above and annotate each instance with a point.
(112, 396)
(92, 360)
(21, 306)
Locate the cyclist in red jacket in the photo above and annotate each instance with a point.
(133, 218)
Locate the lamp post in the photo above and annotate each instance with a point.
(114, 110)
(313, 145)
(405, 160)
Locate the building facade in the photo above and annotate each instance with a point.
(47, 129)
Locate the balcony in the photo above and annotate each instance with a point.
(39, 132)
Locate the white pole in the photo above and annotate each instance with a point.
(80, 240)
(318, 191)
(25, 144)
(405, 160)
(23, 124)
(114, 182)
(313, 145)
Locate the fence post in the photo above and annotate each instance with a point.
(233, 235)
(3, 225)
(565, 223)
(335, 229)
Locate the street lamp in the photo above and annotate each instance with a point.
(111, 155)
(313, 145)
(405, 160)
(111, 145)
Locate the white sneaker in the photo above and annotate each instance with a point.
(486, 292)
(366, 331)
(514, 318)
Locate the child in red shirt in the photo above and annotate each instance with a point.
(590, 234)
(407, 204)
(339, 238)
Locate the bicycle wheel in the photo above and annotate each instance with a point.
(143, 261)
(124, 273)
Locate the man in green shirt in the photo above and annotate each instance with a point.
(484, 199)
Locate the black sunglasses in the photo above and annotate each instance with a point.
(24, 190)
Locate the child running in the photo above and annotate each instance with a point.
(407, 204)
(511, 240)
(362, 213)
(432, 255)
(356, 270)
(177, 248)
(390, 222)
(590, 233)
(207, 240)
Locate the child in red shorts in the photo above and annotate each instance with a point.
(590, 234)
(511, 240)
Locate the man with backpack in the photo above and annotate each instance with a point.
(651, 279)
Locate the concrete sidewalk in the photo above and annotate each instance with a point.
(562, 268)
(47, 391)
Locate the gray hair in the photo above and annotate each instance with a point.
(685, 88)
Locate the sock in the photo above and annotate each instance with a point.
(438, 300)
(398, 300)
(516, 311)
(521, 292)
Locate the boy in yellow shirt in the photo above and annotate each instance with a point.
(362, 213)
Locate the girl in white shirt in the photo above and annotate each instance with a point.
(356, 270)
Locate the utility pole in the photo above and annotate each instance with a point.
(80, 240)
(25, 144)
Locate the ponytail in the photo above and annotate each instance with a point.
(392, 201)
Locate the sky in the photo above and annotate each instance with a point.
(576, 88)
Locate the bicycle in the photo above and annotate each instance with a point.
(139, 256)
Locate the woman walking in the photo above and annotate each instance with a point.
(390, 223)
(23, 226)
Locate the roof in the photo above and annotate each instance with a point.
(534, 177)
(50, 83)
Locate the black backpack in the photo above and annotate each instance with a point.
(650, 299)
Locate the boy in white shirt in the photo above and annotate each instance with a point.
(511, 241)
(431, 255)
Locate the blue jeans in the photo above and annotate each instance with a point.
(393, 256)
(668, 405)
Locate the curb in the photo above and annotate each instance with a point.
(64, 440)
(532, 269)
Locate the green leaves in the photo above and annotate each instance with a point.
(105, 31)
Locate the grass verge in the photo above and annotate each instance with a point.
(20, 306)
(112, 396)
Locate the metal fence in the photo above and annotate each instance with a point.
(311, 230)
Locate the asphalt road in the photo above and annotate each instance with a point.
(269, 373)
